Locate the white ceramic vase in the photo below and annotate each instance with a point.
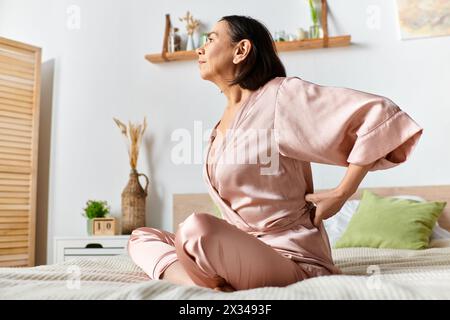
(190, 45)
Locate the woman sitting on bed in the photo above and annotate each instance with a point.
(272, 232)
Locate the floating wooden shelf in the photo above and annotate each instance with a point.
(325, 42)
(340, 41)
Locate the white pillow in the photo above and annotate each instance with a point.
(336, 225)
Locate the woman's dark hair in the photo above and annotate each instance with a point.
(262, 63)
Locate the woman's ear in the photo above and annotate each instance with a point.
(242, 50)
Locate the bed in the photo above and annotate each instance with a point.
(368, 273)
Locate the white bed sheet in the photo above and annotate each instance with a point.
(369, 274)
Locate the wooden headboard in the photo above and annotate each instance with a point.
(185, 204)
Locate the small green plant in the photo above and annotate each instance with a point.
(314, 32)
(313, 10)
(96, 209)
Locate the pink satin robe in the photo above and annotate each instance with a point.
(310, 123)
(304, 123)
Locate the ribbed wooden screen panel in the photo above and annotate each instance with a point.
(19, 121)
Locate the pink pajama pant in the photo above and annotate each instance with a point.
(212, 252)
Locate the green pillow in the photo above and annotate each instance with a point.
(386, 222)
(216, 210)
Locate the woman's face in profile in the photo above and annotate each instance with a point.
(216, 55)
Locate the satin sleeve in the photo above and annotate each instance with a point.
(338, 126)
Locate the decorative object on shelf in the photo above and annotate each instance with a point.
(301, 34)
(280, 36)
(203, 39)
(291, 37)
(174, 40)
(190, 44)
(420, 19)
(324, 42)
(314, 30)
(191, 26)
(94, 209)
(133, 196)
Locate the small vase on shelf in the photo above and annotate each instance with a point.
(302, 34)
(315, 32)
(190, 45)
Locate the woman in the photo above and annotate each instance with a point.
(272, 232)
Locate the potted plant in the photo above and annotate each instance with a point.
(94, 209)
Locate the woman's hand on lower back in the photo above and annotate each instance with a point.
(327, 203)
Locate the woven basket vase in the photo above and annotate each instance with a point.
(133, 203)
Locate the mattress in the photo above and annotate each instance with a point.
(368, 274)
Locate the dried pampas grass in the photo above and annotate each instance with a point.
(132, 134)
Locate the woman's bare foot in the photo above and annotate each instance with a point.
(176, 273)
(225, 288)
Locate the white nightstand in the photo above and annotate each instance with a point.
(66, 248)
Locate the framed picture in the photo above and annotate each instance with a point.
(423, 18)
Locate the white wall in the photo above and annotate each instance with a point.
(100, 72)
